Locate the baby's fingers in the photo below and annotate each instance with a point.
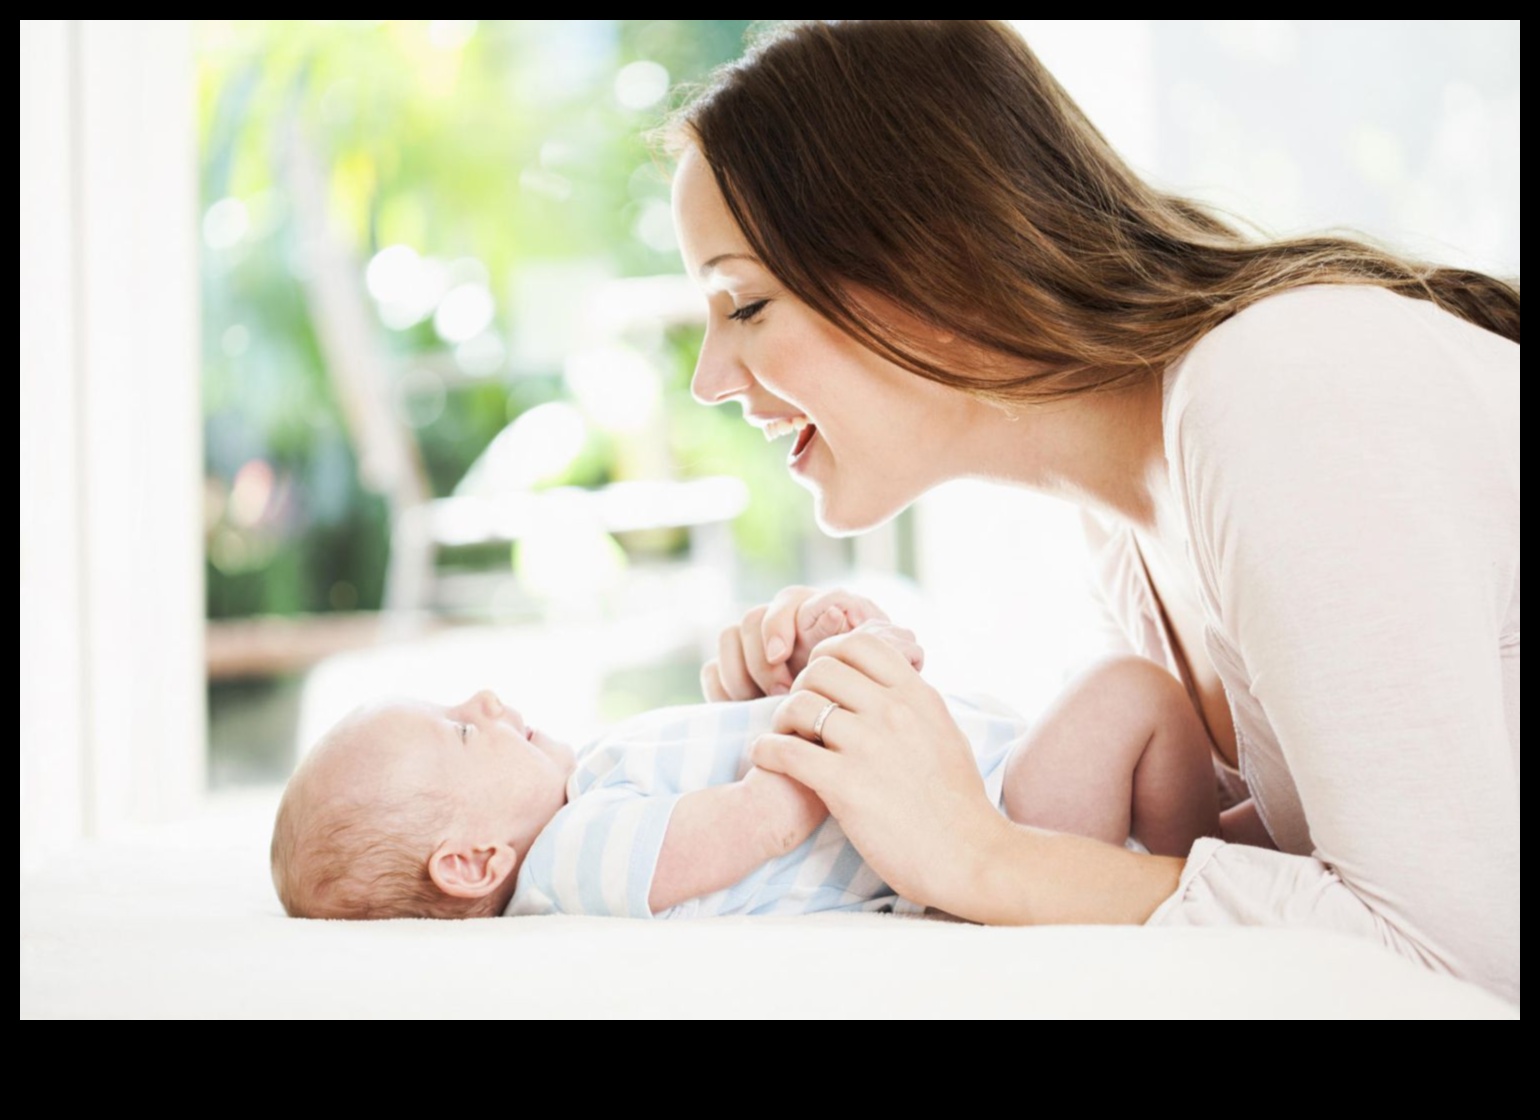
(899, 638)
(855, 609)
(825, 625)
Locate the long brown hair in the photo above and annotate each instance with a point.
(937, 166)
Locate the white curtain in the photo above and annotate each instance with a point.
(112, 710)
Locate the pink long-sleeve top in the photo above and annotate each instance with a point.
(1346, 461)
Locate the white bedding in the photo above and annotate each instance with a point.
(182, 922)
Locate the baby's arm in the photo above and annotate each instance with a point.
(719, 835)
(1121, 753)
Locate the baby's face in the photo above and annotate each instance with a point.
(502, 777)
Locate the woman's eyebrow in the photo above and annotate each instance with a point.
(710, 266)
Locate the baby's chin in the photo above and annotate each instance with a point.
(559, 752)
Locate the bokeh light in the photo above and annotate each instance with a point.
(251, 493)
(617, 387)
(641, 84)
(225, 223)
(465, 311)
(539, 446)
(451, 34)
(482, 355)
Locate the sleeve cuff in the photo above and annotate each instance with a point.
(1203, 850)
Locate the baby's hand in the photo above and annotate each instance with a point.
(766, 651)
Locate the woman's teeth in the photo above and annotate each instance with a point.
(784, 427)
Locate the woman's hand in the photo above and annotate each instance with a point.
(893, 767)
(763, 654)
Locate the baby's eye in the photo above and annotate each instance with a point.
(465, 731)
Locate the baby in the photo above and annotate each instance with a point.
(412, 809)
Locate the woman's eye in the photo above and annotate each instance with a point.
(748, 311)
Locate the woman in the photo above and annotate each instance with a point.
(1299, 462)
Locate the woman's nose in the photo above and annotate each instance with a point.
(719, 376)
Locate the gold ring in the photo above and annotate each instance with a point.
(822, 717)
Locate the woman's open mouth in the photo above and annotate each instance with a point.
(804, 440)
(801, 427)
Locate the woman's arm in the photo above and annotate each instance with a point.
(1348, 469)
(1242, 824)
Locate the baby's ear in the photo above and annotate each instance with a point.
(465, 870)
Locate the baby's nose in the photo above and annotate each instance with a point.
(488, 702)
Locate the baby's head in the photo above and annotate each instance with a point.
(410, 809)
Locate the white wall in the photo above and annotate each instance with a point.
(112, 710)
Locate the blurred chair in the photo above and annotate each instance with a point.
(704, 507)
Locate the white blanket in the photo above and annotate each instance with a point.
(182, 922)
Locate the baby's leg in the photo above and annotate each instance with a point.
(1121, 753)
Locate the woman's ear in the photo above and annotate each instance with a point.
(465, 870)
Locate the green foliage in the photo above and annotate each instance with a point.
(503, 148)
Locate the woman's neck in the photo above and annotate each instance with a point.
(1104, 450)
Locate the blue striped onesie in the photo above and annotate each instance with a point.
(598, 854)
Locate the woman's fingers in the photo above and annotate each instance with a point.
(770, 679)
(711, 683)
(778, 626)
(809, 715)
(869, 655)
(732, 670)
(828, 678)
(799, 760)
(901, 776)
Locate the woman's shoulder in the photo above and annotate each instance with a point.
(1333, 355)
(1325, 327)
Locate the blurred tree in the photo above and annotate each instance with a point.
(484, 172)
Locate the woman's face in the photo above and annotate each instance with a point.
(866, 436)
